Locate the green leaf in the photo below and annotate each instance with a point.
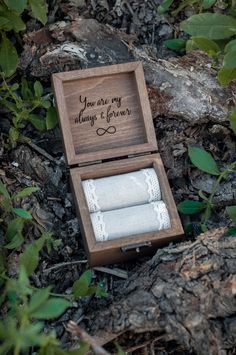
(231, 232)
(16, 241)
(229, 61)
(50, 309)
(13, 134)
(25, 192)
(191, 207)
(15, 226)
(232, 119)
(25, 90)
(29, 259)
(213, 26)
(206, 45)
(16, 5)
(39, 10)
(46, 103)
(22, 213)
(202, 195)
(230, 46)
(8, 57)
(231, 210)
(203, 160)
(51, 118)
(120, 351)
(38, 89)
(15, 22)
(3, 21)
(38, 298)
(226, 75)
(15, 87)
(3, 191)
(165, 5)
(38, 122)
(206, 4)
(177, 44)
(80, 287)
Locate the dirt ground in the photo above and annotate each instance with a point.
(81, 35)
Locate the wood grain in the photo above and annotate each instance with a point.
(104, 112)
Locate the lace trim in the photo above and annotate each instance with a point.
(162, 214)
(99, 227)
(91, 196)
(152, 182)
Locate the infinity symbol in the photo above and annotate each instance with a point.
(102, 131)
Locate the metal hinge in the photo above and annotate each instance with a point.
(138, 154)
(136, 247)
(90, 163)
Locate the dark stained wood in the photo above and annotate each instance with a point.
(104, 112)
(110, 251)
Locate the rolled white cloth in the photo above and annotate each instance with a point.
(124, 190)
(128, 221)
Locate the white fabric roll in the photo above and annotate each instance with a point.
(124, 190)
(129, 221)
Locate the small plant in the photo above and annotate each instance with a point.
(27, 104)
(200, 4)
(10, 20)
(25, 307)
(206, 163)
(13, 217)
(215, 34)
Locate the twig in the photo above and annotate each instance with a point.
(116, 272)
(75, 329)
(68, 263)
(43, 153)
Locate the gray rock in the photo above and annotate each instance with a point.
(187, 86)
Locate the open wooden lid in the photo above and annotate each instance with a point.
(104, 112)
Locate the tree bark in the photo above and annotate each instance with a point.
(186, 292)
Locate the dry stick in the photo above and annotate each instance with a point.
(75, 329)
(43, 153)
(68, 263)
(116, 272)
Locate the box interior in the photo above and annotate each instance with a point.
(119, 167)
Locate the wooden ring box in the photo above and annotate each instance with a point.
(105, 114)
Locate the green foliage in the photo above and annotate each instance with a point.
(199, 4)
(20, 330)
(10, 19)
(191, 207)
(82, 287)
(29, 259)
(205, 162)
(207, 29)
(165, 6)
(8, 56)
(20, 216)
(206, 45)
(209, 25)
(39, 11)
(27, 104)
(50, 309)
(232, 119)
(177, 44)
(231, 210)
